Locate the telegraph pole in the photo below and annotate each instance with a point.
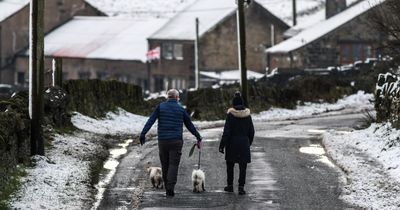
(196, 52)
(294, 13)
(242, 49)
(36, 75)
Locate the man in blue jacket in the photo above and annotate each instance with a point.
(171, 117)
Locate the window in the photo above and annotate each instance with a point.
(345, 54)
(102, 75)
(21, 78)
(172, 51)
(84, 75)
(167, 51)
(178, 53)
(368, 52)
(351, 52)
(357, 52)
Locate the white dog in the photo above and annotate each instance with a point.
(198, 179)
(156, 179)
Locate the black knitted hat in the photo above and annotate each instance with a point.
(237, 99)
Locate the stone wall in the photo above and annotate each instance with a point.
(95, 97)
(212, 104)
(14, 134)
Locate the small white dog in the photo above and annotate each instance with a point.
(198, 179)
(155, 175)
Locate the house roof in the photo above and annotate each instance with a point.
(10, 7)
(324, 27)
(211, 12)
(182, 25)
(101, 38)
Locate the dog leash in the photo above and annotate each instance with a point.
(198, 165)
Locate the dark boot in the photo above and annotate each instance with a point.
(241, 190)
(228, 188)
(170, 193)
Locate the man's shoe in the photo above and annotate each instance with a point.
(241, 190)
(170, 193)
(228, 188)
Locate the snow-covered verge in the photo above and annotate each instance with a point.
(61, 179)
(371, 160)
(356, 103)
(119, 123)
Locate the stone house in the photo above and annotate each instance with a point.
(217, 41)
(14, 29)
(341, 39)
(98, 48)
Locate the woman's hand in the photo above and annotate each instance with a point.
(221, 150)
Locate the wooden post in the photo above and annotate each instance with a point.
(36, 75)
(196, 55)
(295, 13)
(57, 72)
(242, 49)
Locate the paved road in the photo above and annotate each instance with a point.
(288, 171)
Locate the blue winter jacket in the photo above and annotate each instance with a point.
(171, 116)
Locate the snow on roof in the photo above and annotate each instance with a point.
(309, 12)
(140, 9)
(102, 38)
(211, 12)
(322, 28)
(230, 75)
(9, 7)
(182, 26)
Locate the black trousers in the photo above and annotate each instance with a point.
(242, 172)
(170, 157)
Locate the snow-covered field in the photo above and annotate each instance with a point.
(115, 123)
(371, 161)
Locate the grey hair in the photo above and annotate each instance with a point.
(173, 93)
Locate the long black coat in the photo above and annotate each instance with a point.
(238, 136)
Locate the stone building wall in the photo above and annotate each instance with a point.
(326, 51)
(134, 72)
(14, 31)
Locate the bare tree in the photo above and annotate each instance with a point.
(386, 19)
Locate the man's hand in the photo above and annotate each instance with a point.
(221, 150)
(199, 144)
(142, 139)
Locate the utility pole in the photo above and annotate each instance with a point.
(242, 49)
(196, 52)
(36, 75)
(295, 13)
(57, 72)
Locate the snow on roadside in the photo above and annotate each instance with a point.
(357, 102)
(120, 122)
(60, 180)
(371, 160)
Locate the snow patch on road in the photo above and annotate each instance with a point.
(371, 161)
(60, 180)
(357, 102)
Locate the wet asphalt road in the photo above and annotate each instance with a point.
(279, 177)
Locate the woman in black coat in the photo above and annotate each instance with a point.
(236, 140)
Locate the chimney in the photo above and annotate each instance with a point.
(333, 7)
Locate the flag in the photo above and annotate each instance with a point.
(153, 54)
